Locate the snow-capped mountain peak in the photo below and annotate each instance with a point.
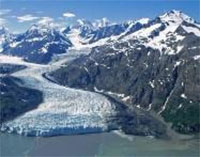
(38, 44)
(101, 23)
(41, 28)
(3, 30)
(162, 32)
(5, 36)
(156, 33)
(176, 16)
(37, 28)
(82, 23)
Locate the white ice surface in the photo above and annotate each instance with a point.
(63, 108)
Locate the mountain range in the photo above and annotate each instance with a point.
(41, 41)
(151, 64)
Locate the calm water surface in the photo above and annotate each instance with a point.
(104, 144)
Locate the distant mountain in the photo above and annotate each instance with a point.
(86, 32)
(41, 41)
(5, 36)
(38, 44)
(153, 65)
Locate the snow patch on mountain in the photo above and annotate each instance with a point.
(75, 38)
(14, 44)
(144, 32)
(197, 57)
(143, 20)
(193, 30)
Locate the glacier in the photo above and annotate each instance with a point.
(64, 110)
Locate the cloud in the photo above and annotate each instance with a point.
(45, 20)
(69, 15)
(2, 21)
(26, 18)
(48, 21)
(4, 11)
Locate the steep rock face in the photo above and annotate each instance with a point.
(10, 68)
(38, 44)
(16, 100)
(134, 121)
(155, 68)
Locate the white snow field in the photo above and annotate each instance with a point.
(63, 111)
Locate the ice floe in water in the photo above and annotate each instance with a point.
(63, 111)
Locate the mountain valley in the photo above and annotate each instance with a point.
(139, 76)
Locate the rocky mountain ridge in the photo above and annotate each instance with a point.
(42, 41)
(155, 68)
